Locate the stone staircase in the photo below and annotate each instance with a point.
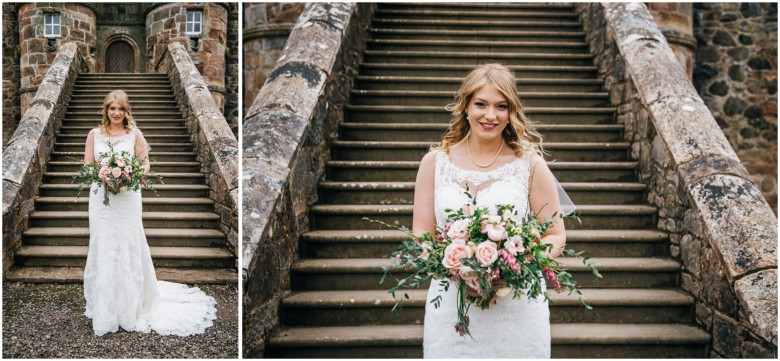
(180, 225)
(414, 60)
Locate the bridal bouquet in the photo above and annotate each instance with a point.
(114, 171)
(485, 255)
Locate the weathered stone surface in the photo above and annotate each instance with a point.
(263, 182)
(317, 29)
(758, 292)
(274, 136)
(688, 129)
(726, 333)
(735, 217)
(275, 95)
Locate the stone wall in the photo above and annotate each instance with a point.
(37, 52)
(675, 20)
(721, 229)
(232, 72)
(736, 75)
(266, 28)
(121, 22)
(25, 156)
(165, 24)
(11, 109)
(216, 146)
(286, 136)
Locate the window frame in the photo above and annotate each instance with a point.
(52, 25)
(193, 22)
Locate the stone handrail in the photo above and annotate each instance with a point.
(25, 156)
(286, 133)
(216, 146)
(721, 229)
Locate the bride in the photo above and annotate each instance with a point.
(120, 285)
(488, 148)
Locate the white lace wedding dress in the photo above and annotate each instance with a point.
(120, 285)
(511, 328)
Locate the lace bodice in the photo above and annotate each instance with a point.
(103, 143)
(507, 184)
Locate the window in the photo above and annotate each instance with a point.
(51, 25)
(194, 22)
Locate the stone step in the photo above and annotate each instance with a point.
(452, 83)
(411, 151)
(381, 243)
(163, 237)
(178, 219)
(433, 132)
(475, 24)
(163, 167)
(365, 273)
(122, 75)
(475, 57)
(406, 171)
(132, 93)
(139, 102)
(480, 34)
(150, 138)
(142, 114)
(151, 204)
(372, 307)
(569, 340)
(168, 178)
(94, 122)
(176, 257)
(338, 217)
(438, 114)
(162, 147)
(164, 190)
(440, 98)
(456, 70)
(154, 155)
(387, 193)
(473, 14)
(81, 108)
(147, 130)
(477, 45)
(161, 82)
(76, 275)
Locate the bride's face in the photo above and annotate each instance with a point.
(116, 113)
(488, 113)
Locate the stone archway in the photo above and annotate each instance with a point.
(120, 57)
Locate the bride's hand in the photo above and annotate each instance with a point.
(497, 283)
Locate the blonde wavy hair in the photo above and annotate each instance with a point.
(519, 134)
(120, 97)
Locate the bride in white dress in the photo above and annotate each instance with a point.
(482, 150)
(120, 285)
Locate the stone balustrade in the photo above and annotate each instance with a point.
(286, 135)
(216, 146)
(721, 228)
(25, 156)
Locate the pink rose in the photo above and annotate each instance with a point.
(458, 231)
(120, 163)
(495, 232)
(469, 276)
(104, 162)
(487, 221)
(116, 172)
(453, 254)
(104, 172)
(514, 245)
(487, 253)
(468, 209)
(129, 169)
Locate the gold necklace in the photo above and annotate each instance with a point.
(468, 146)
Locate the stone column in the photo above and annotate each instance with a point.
(676, 23)
(266, 28)
(166, 23)
(37, 52)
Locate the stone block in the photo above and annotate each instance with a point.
(715, 288)
(295, 87)
(688, 129)
(274, 136)
(263, 184)
(691, 254)
(726, 335)
(758, 295)
(738, 222)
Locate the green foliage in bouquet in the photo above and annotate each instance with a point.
(116, 171)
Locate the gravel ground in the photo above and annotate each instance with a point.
(47, 321)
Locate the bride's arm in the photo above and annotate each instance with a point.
(142, 151)
(89, 148)
(545, 202)
(424, 218)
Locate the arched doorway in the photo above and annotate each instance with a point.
(120, 58)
